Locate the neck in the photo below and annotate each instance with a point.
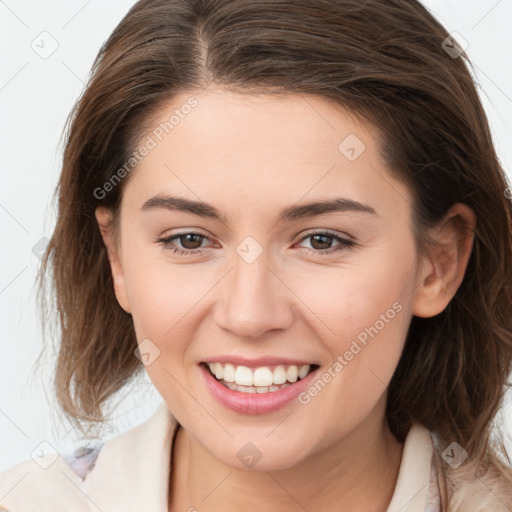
(358, 473)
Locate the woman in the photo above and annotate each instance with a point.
(292, 216)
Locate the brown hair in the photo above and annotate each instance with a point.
(386, 62)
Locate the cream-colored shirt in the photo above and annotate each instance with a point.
(130, 473)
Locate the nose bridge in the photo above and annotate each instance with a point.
(250, 278)
(253, 299)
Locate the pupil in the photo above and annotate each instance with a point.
(325, 243)
(187, 240)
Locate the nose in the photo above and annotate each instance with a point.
(253, 299)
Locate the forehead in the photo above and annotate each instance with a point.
(291, 121)
(261, 148)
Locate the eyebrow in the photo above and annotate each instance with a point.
(338, 204)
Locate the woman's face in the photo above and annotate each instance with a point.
(258, 282)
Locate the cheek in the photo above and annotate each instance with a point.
(349, 300)
(161, 293)
(168, 303)
(362, 314)
(165, 302)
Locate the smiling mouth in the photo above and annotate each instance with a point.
(264, 379)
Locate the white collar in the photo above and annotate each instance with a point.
(131, 473)
(132, 470)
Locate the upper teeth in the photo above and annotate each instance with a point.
(262, 376)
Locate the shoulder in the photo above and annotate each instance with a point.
(123, 473)
(53, 481)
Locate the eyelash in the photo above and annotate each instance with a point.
(344, 243)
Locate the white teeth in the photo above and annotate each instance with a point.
(303, 371)
(219, 370)
(292, 373)
(279, 376)
(243, 376)
(252, 389)
(229, 373)
(261, 379)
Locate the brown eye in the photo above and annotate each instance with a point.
(321, 241)
(191, 240)
(184, 243)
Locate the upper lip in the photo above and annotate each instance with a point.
(257, 362)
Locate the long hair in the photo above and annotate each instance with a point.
(389, 62)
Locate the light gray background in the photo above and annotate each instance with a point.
(36, 94)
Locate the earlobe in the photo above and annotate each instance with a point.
(104, 219)
(444, 268)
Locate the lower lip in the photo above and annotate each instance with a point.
(255, 403)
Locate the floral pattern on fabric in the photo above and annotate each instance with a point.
(83, 459)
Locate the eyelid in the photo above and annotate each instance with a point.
(330, 232)
(310, 232)
(346, 242)
(166, 239)
(189, 231)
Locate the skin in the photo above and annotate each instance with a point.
(250, 157)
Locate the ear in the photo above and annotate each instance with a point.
(104, 218)
(443, 270)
